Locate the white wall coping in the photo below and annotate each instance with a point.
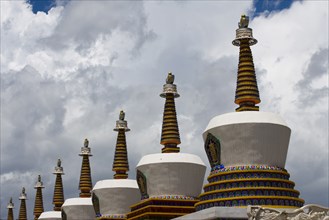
(245, 117)
(77, 201)
(51, 214)
(170, 158)
(116, 183)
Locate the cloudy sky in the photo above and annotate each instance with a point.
(69, 67)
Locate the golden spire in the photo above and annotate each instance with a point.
(246, 95)
(38, 205)
(58, 199)
(22, 210)
(120, 162)
(10, 208)
(85, 184)
(170, 132)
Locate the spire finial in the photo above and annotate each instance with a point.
(122, 115)
(23, 194)
(86, 143)
(244, 21)
(22, 210)
(170, 132)
(39, 183)
(38, 204)
(85, 184)
(246, 95)
(170, 78)
(10, 208)
(58, 198)
(120, 162)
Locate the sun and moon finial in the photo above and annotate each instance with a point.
(170, 78)
(86, 143)
(122, 115)
(244, 21)
(59, 162)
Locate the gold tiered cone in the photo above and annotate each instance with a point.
(120, 162)
(58, 199)
(246, 95)
(85, 184)
(38, 205)
(22, 210)
(170, 132)
(10, 208)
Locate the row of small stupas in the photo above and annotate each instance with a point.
(246, 150)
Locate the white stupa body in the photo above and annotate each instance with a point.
(115, 196)
(51, 215)
(172, 174)
(78, 208)
(251, 138)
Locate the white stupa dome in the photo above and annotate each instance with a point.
(258, 138)
(178, 174)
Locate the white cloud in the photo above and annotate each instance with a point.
(66, 75)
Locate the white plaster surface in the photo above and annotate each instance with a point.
(116, 195)
(245, 117)
(51, 215)
(257, 138)
(79, 208)
(116, 183)
(173, 174)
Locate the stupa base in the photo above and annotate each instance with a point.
(161, 208)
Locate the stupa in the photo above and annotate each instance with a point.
(22, 209)
(82, 207)
(58, 198)
(246, 149)
(169, 182)
(38, 204)
(112, 198)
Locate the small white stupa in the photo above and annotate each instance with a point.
(58, 198)
(169, 182)
(82, 207)
(112, 198)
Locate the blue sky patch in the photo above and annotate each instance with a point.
(41, 5)
(261, 6)
(268, 6)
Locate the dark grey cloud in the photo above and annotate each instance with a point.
(317, 68)
(32, 108)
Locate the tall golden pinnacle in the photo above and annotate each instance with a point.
(120, 162)
(58, 199)
(170, 132)
(38, 205)
(246, 95)
(22, 210)
(85, 184)
(10, 208)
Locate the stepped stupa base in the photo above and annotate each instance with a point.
(168, 207)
